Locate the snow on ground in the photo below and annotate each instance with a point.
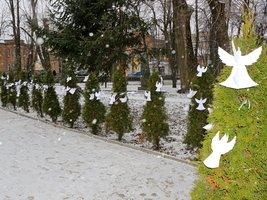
(40, 161)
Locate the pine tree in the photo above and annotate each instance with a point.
(119, 119)
(4, 94)
(94, 110)
(197, 119)
(11, 91)
(37, 95)
(51, 104)
(154, 116)
(24, 99)
(72, 107)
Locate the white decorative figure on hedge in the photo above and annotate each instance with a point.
(158, 86)
(72, 90)
(148, 95)
(208, 127)
(200, 103)
(239, 77)
(92, 96)
(191, 93)
(201, 70)
(123, 99)
(85, 78)
(112, 99)
(69, 79)
(98, 95)
(219, 147)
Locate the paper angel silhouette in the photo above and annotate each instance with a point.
(191, 93)
(219, 147)
(159, 86)
(92, 96)
(201, 70)
(69, 79)
(148, 95)
(208, 127)
(239, 77)
(98, 95)
(200, 103)
(124, 99)
(72, 90)
(112, 99)
(85, 78)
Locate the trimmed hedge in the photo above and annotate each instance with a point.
(243, 171)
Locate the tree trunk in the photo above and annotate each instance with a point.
(16, 32)
(183, 43)
(218, 33)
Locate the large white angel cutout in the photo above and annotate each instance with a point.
(239, 77)
(219, 147)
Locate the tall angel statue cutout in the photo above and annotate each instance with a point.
(239, 77)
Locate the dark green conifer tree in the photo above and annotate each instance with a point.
(24, 99)
(119, 118)
(37, 94)
(4, 95)
(94, 110)
(51, 104)
(154, 117)
(11, 91)
(197, 119)
(72, 107)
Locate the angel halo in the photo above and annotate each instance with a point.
(239, 77)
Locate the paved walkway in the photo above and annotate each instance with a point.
(41, 162)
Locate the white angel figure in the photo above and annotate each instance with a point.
(45, 87)
(219, 147)
(124, 99)
(24, 83)
(98, 95)
(208, 127)
(85, 78)
(239, 77)
(191, 93)
(200, 103)
(201, 70)
(158, 86)
(112, 99)
(72, 90)
(148, 95)
(18, 83)
(92, 96)
(69, 79)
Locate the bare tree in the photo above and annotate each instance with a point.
(14, 7)
(3, 22)
(183, 43)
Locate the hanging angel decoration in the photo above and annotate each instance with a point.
(239, 77)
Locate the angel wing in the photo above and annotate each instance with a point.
(215, 141)
(229, 145)
(252, 57)
(225, 57)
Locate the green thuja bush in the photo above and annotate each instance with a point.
(93, 110)
(198, 118)
(11, 91)
(4, 94)
(119, 118)
(37, 94)
(154, 118)
(242, 172)
(72, 107)
(24, 99)
(51, 104)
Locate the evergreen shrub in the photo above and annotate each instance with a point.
(119, 119)
(4, 94)
(11, 91)
(72, 107)
(242, 172)
(24, 99)
(37, 94)
(93, 110)
(154, 118)
(198, 118)
(51, 104)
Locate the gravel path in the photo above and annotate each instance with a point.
(39, 161)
